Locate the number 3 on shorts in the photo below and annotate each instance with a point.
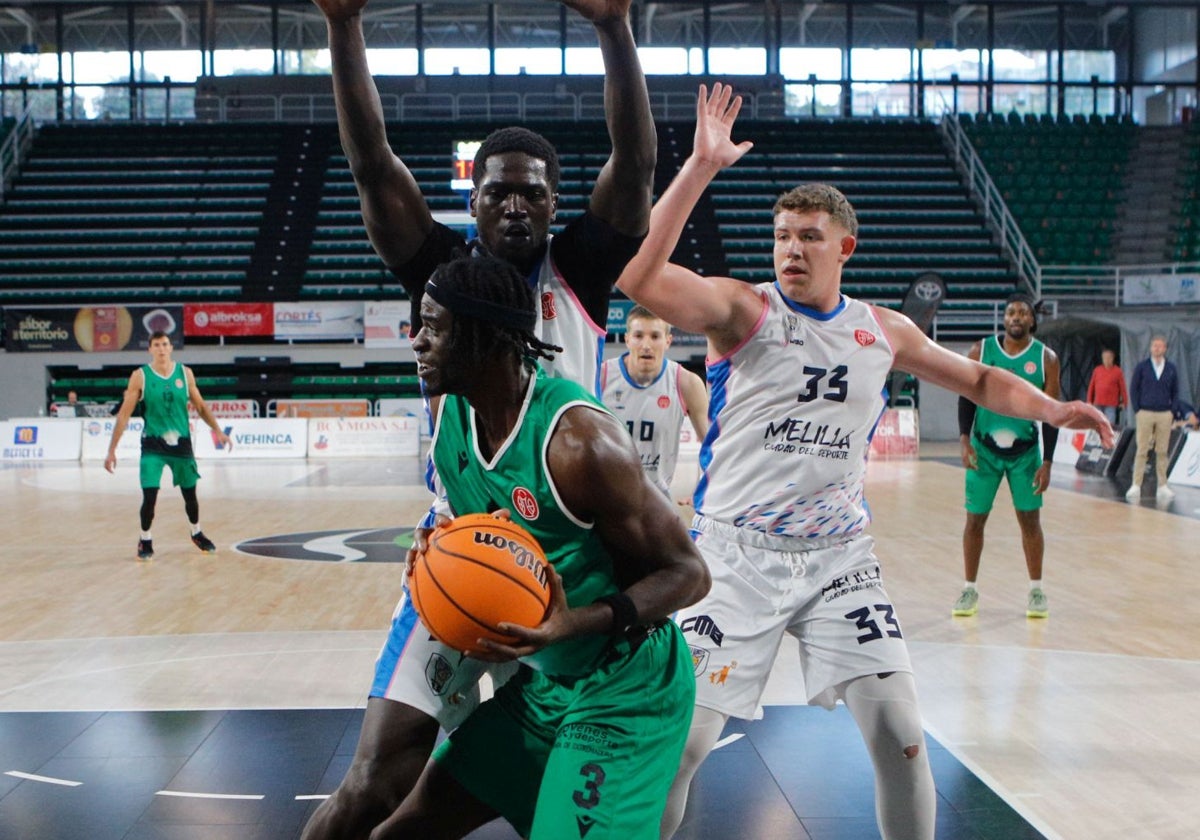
(589, 797)
(863, 621)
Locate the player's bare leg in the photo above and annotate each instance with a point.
(393, 748)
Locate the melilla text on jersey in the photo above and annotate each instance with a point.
(803, 437)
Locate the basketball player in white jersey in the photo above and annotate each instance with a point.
(797, 373)
(418, 683)
(651, 395)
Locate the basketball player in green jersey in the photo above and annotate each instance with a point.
(587, 735)
(165, 387)
(995, 446)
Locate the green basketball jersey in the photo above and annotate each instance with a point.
(517, 478)
(1001, 433)
(166, 415)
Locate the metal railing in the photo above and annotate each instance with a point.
(14, 148)
(1105, 285)
(425, 107)
(992, 204)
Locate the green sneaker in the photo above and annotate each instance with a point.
(1037, 606)
(967, 603)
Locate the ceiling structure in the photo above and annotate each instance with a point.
(298, 24)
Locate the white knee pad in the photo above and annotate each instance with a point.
(706, 728)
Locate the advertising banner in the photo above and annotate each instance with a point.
(896, 435)
(257, 437)
(1162, 288)
(349, 437)
(97, 432)
(228, 408)
(226, 319)
(406, 407)
(318, 320)
(386, 323)
(92, 329)
(322, 408)
(1186, 470)
(40, 439)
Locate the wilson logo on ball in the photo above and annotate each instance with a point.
(524, 557)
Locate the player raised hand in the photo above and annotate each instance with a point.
(715, 116)
(340, 9)
(600, 10)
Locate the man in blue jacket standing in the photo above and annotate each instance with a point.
(1153, 392)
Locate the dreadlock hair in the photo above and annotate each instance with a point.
(819, 197)
(517, 139)
(487, 280)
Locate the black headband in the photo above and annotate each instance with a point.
(484, 310)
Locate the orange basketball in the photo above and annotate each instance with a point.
(479, 571)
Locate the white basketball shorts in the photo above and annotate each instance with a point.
(830, 596)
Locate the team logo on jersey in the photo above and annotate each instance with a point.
(178, 383)
(524, 503)
(549, 308)
(699, 659)
(438, 672)
(721, 675)
(1031, 368)
(864, 337)
(704, 627)
(664, 402)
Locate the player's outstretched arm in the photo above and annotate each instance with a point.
(625, 187)
(984, 385)
(600, 479)
(395, 214)
(682, 297)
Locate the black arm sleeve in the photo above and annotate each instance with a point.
(1049, 441)
(441, 245)
(591, 255)
(966, 415)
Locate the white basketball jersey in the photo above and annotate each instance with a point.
(653, 414)
(794, 407)
(564, 322)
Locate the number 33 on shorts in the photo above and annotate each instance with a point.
(868, 618)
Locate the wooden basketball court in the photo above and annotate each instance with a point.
(1083, 723)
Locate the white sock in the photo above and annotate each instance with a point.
(196, 529)
(969, 585)
(145, 535)
(1035, 584)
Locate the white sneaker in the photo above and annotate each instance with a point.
(1165, 493)
(1133, 493)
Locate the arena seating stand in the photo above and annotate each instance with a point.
(1061, 179)
(104, 212)
(246, 379)
(1186, 246)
